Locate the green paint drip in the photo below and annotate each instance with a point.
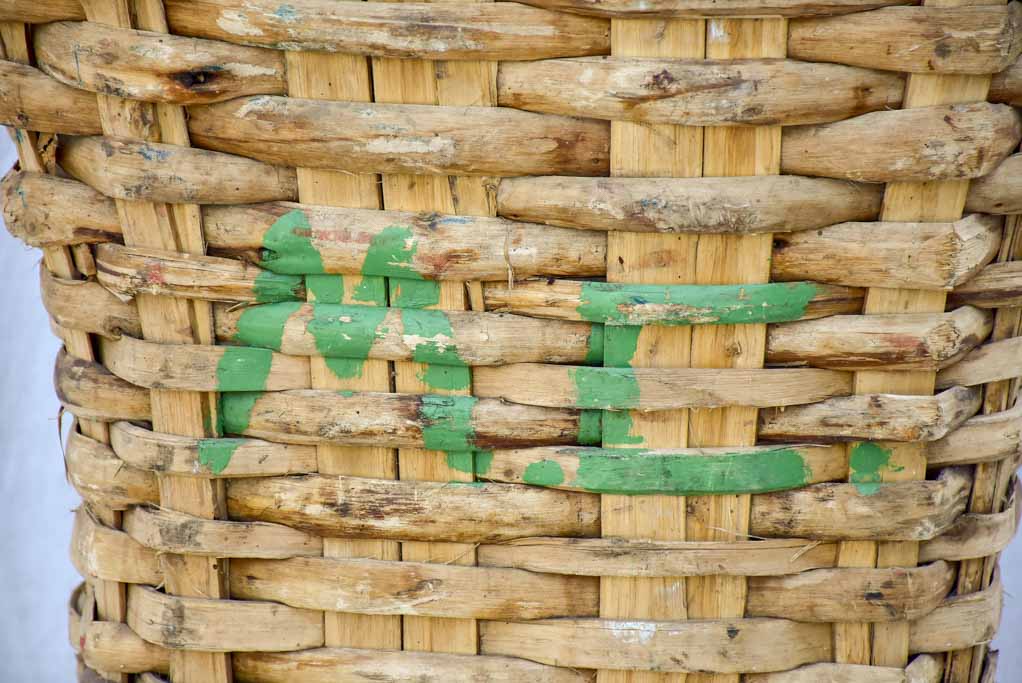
(624, 304)
(594, 352)
(605, 388)
(447, 422)
(325, 289)
(635, 472)
(392, 254)
(263, 326)
(236, 410)
(215, 454)
(619, 345)
(288, 247)
(590, 427)
(414, 293)
(271, 287)
(544, 473)
(867, 463)
(242, 368)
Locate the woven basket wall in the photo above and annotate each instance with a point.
(584, 340)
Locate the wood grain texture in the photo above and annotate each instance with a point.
(30, 98)
(1000, 191)
(999, 285)
(981, 39)
(693, 92)
(634, 9)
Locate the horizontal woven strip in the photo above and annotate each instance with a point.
(902, 511)
(131, 556)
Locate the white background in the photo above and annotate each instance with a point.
(36, 577)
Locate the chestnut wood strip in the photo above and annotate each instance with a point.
(731, 259)
(659, 150)
(328, 76)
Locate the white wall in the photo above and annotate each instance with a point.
(36, 577)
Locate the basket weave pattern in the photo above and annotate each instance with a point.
(580, 340)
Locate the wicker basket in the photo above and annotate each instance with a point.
(624, 341)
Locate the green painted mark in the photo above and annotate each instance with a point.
(605, 388)
(432, 337)
(371, 290)
(447, 422)
(344, 335)
(590, 427)
(619, 345)
(628, 471)
(867, 463)
(594, 352)
(263, 326)
(544, 473)
(414, 293)
(477, 463)
(215, 454)
(617, 429)
(325, 289)
(272, 287)
(288, 247)
(243, 368)
(391, 253)
(625, 304)
(236, 410)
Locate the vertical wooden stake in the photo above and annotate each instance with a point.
(649, 150)
(731, 151)
(445, 83)
(321, 75)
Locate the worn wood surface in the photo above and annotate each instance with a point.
(90, 391)
(655, 389)
(992, 362)
(401, 138)
(129, 169)
(446, 31)
(979, 439)
(154, 67)
(459, 512)
(696, 92)
(1000, 191)
(636, 9)
(724, 205)
(920, 255)
(881, 417)
(30, 98)
(999, 285)
(923, 143)
(980, 39)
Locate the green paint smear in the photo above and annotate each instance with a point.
(544, 473)
(392, 254)
(619, 345)
(867, 463)
(414, 293)
(215, 454)
(236, 410)
(288, 247)
(371, 290)
(634, 472)
(594, 352)
(605, 388)
(325, 289)
(477, 463)
(590, 427)
(617, 428)
(271, 287)
(263, 326)
(445, 370)
(611, 303)
(243, 368)
(447, 422)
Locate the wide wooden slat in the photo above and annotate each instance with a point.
(980, 39)
(90, 391)
(87, 306)
(559, 386)
(695, 92)
(408, 30)
(999, 285)
(155, 67)
(30, 98)
(221, 625)
(983, 438)
(99, 551)
(357, 507)
(725, 646)
(635, 9)
(993, 362)
(1000, 191)
(401, 138)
